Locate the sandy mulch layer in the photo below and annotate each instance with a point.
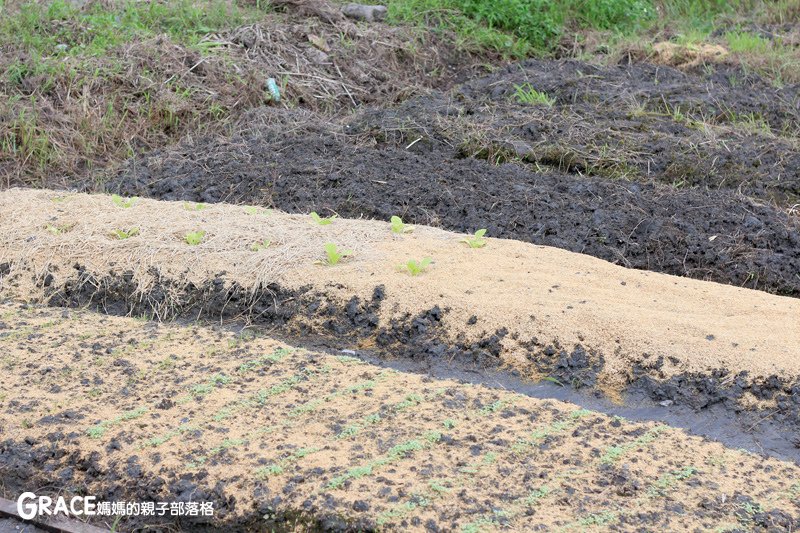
(538, 311)
(280, 436)
(685, 173)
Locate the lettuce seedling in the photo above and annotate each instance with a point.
(194, 207)
(415, 268)
(320, 220)
(122, 234)
(251, 210)
(58, 230)
(477, 240)
(124, 203)
(263, 245)
(193, 238)
(399, 227)
(334, 255)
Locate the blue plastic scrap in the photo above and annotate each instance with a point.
(274, 90)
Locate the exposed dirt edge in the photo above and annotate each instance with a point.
(535, 310)
(310, 310)
(21, 462)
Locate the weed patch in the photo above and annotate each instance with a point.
(526, 94)
(98, 430)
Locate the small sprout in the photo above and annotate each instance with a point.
(58, 230)
(320, 220)
(252, 210)
(399, 227)
(551, 379)
(124, 203)
(193, 238)
(194, 207)
(263, 245)
(334, 255)
(415, 268)
(477, 240)
(122, 234)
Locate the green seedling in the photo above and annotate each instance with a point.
(399, 227)
(124, 203)
(99, 430)
(251, 210)
(263, 245)
(415, 268)
(334, 255)
(320, 220)
(551, 379)
(526, 94)
(194, 207)
(57, 230)
(122, 234)
(193, 238)
(477, 240)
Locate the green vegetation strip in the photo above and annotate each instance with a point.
(395, 454)
(99, 430)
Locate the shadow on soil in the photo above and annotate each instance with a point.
(708, 404)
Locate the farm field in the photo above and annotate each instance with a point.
(453, 265)
(293, 438)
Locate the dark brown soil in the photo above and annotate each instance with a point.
(718, 92)
(707, 234)
(153, 92)
(278, 440)
(636, 122)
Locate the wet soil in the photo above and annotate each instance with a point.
(716, 92)
(582, 322)
(282, 437)
(713, 235)
(639, 122)
(707, 405)
(755, 433)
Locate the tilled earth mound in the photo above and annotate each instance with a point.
(277, 437)
(625, 140)
(712, 235)
(721, 93)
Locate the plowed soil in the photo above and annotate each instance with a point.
(283, 438)
(691, 174)
(537, 311)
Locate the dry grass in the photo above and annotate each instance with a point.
(68, 118)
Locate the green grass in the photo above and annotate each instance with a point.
(526, 94)
(396, 453)
(746, 42)
(74, 59)
(518, 28)
(98, 430)
(59, 28)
